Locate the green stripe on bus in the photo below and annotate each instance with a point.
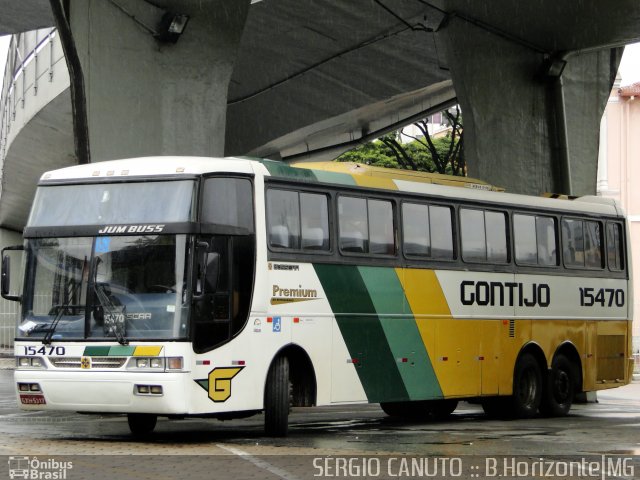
(362, 332)
(334, 177)
(96, 351)
(281, 169)
(121, 351)
(403, 336)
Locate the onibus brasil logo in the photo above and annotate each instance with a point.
(33, 468)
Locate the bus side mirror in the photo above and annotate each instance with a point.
(5, 276)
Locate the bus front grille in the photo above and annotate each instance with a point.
(95, 362)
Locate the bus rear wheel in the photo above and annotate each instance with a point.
(277, 398)
(141, 424)
(527, 387)
(560, 388)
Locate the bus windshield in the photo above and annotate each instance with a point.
(120, 287)
(113, 203)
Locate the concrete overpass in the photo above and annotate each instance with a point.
(297, 79)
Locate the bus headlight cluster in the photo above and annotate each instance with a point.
(30, 362)
(155, 364)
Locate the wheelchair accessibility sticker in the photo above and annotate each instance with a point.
(277, 324)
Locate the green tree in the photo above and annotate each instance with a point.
(426, 154)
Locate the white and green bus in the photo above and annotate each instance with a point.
(204, 287)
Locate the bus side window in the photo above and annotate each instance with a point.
(283, 218)
(593, 244)
(546, 241)
(353, 224)
(381, 239)
(472, 231)
(535, 240)
(415, 227)
(614, 246)
(572, 244)
(441, 227)
(484, 236)
(314, 217)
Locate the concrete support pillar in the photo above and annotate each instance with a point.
(526, 131)
(147, 96)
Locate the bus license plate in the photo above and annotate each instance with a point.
(32, 399)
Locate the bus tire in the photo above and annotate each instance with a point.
(141, 424)
(527, 387)
(560, 388)
(441, 409)
(277, 398)
(495, 407)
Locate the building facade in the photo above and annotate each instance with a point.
(618, 171)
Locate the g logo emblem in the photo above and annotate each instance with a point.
(220, 382)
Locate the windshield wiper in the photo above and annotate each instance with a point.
(114, 311)
(73, 289)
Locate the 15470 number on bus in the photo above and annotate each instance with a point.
(603, 297)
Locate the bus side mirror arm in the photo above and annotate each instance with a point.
(5, 276)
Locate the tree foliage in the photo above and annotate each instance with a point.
(443, 154)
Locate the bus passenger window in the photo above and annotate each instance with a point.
(593, 245)
(573, 242)
(415, 226)
(354, 227)
(474, 246)
(283, 218)
(524, 228)
(441, 228)
(381, 238)
(614, 246)
(484, 236)
(582, 243)
(546, 241)
(366, 226)
(496, 226)
(427, 231)
(535, 240)
(314, 213)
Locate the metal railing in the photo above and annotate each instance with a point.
(35, 59)
(35, 73)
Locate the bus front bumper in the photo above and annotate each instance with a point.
(103, 392)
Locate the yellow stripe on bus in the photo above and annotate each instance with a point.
(147, 351)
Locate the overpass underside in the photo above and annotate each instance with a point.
(309, 79)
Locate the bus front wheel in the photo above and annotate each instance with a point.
(141, 424)
(560, 388)
(277, 398)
